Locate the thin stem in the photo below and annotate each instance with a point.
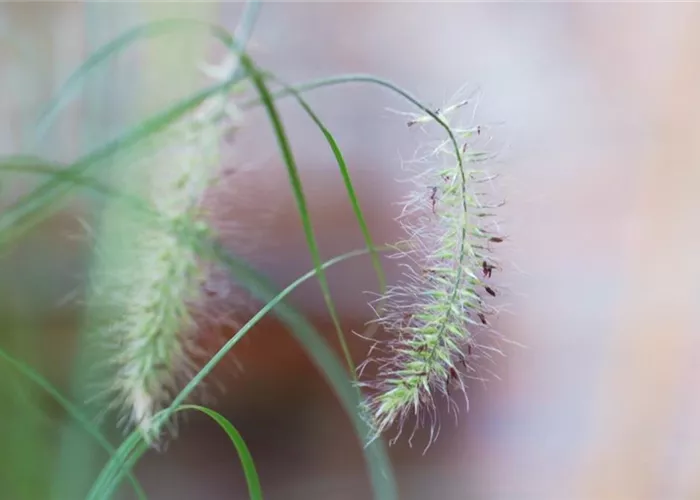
(363, 78)
(285, 148)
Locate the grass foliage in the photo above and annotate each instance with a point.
(424, 354)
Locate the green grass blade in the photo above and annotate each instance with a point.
(274, 301)
(75, 81)
(312, 341)
(123, 461)
(352, 195)
(359, 78)
(364, 78)
(71, 410)
(71, 87)
(38, 166)
(258, 80)
(379, 466)
(39, 203)
(251, 475)
(319, 353)
(249, 18)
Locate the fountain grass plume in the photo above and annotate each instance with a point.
(155, 287)
(432, 316)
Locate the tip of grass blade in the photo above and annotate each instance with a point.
(244, 455)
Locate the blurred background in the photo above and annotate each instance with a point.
(597, 113)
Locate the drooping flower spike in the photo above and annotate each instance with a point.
(431, 317)
(158, 291)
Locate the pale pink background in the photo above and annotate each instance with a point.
(599, 110)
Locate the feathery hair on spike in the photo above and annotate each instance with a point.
(431, 316)
(156, 288)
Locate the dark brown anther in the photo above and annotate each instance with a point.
(487, 269)
(433, 196)
(478, 130)
(483, 321)
(490, 291)
(496, 239)
(453, 374)
(462, 359)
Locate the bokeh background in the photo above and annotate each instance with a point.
(596, 114)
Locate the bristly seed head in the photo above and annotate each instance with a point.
(148, 275)
(427, 315)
